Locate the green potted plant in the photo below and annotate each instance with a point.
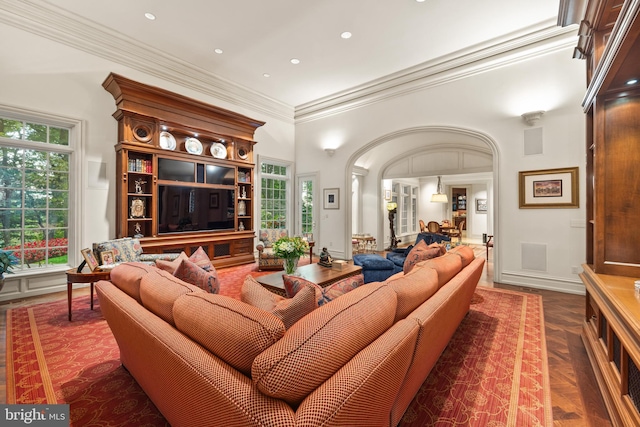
(7, 261)
(290, 249)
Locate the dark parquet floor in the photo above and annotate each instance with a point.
(575, 396)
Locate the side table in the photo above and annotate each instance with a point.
(89, 277)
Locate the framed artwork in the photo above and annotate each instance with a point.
(107, 258)
(214, 200)
(549, 188)
(137, 208)
(481, 205)
(90, 259)
(387, 194)
(332, 198)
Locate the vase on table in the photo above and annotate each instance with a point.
(291, 265)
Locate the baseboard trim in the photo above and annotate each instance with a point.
(548, 283)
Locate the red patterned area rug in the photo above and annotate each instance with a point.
(494, 372)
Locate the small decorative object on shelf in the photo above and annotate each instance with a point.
(325, 258)
(137, 229)
(244, 193)
(290, 249)
(137, 208)
(139, 183)
(241, 226)
(242, 208)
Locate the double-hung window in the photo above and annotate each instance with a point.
(275, 185)
(35, 190)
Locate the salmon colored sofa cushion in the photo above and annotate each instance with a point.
(465, 253)
(413, 288)
(159, 290)
(289, 310)
(446, 266)
(234, 331)
(307, 355)
(127, 277)
(171, 266)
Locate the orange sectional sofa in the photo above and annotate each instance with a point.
(209, 360)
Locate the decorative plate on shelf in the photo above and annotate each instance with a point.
(193, 146)
(218, 150)
(167, 141)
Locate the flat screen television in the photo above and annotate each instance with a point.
(182, 208)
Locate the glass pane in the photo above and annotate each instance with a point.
(35, 257)
(34, 180)
(10, 177)
(58, 162)
(35, 160)
(10, 239)
(59, 199)
(59, 180)
(58, 218)
(36, 199)
(11, 156)
(10, 218)
(10, 198)
(58, 136)
(35, 218)
(35, 132)
(11, 128)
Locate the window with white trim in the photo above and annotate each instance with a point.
(275, 183)
(35, 176)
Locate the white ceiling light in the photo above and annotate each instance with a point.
(150, 16)
(266, 75)
(295, 61)
(218, 51)
(346, 35)
(439, 197)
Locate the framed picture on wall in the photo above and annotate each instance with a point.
(549, 188)
(332, 198)
(481, 205)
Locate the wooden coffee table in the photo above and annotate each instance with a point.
(323, 276)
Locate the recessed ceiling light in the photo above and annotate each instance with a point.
(150, 16)
(632, 81)
(346, 35)
(420, 1)
(295, 61)
(266, 75)
(218, 51)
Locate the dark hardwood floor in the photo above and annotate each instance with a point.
(575, 396)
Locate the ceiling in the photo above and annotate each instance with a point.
(259, 37)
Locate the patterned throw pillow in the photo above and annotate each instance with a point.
(171, 266)
(289, 310)
(193, 274)
(124, 250)
(420, 252)
(294, 284)
(442, 248)
(200, 258)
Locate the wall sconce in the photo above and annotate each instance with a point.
(439, 196)
(330, 151)
(531, 118)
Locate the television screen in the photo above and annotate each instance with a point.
(187, 209)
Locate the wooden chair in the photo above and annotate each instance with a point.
(423, 227)
(458, 231)
(434, 227)
(489, 244)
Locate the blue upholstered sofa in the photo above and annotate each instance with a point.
(378, 269)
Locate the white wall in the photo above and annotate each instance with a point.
(489, 104)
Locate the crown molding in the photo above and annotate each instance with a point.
(61, 26)
(524, 44)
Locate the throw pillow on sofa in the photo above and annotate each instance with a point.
(170, 266)
(201, 259)
(195, 275)
(289, 310)
(232, 330)
(294, 284)
(420, 252)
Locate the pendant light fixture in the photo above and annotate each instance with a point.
(439, 196)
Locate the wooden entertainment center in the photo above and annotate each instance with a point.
(610, 42)
(184, 173)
